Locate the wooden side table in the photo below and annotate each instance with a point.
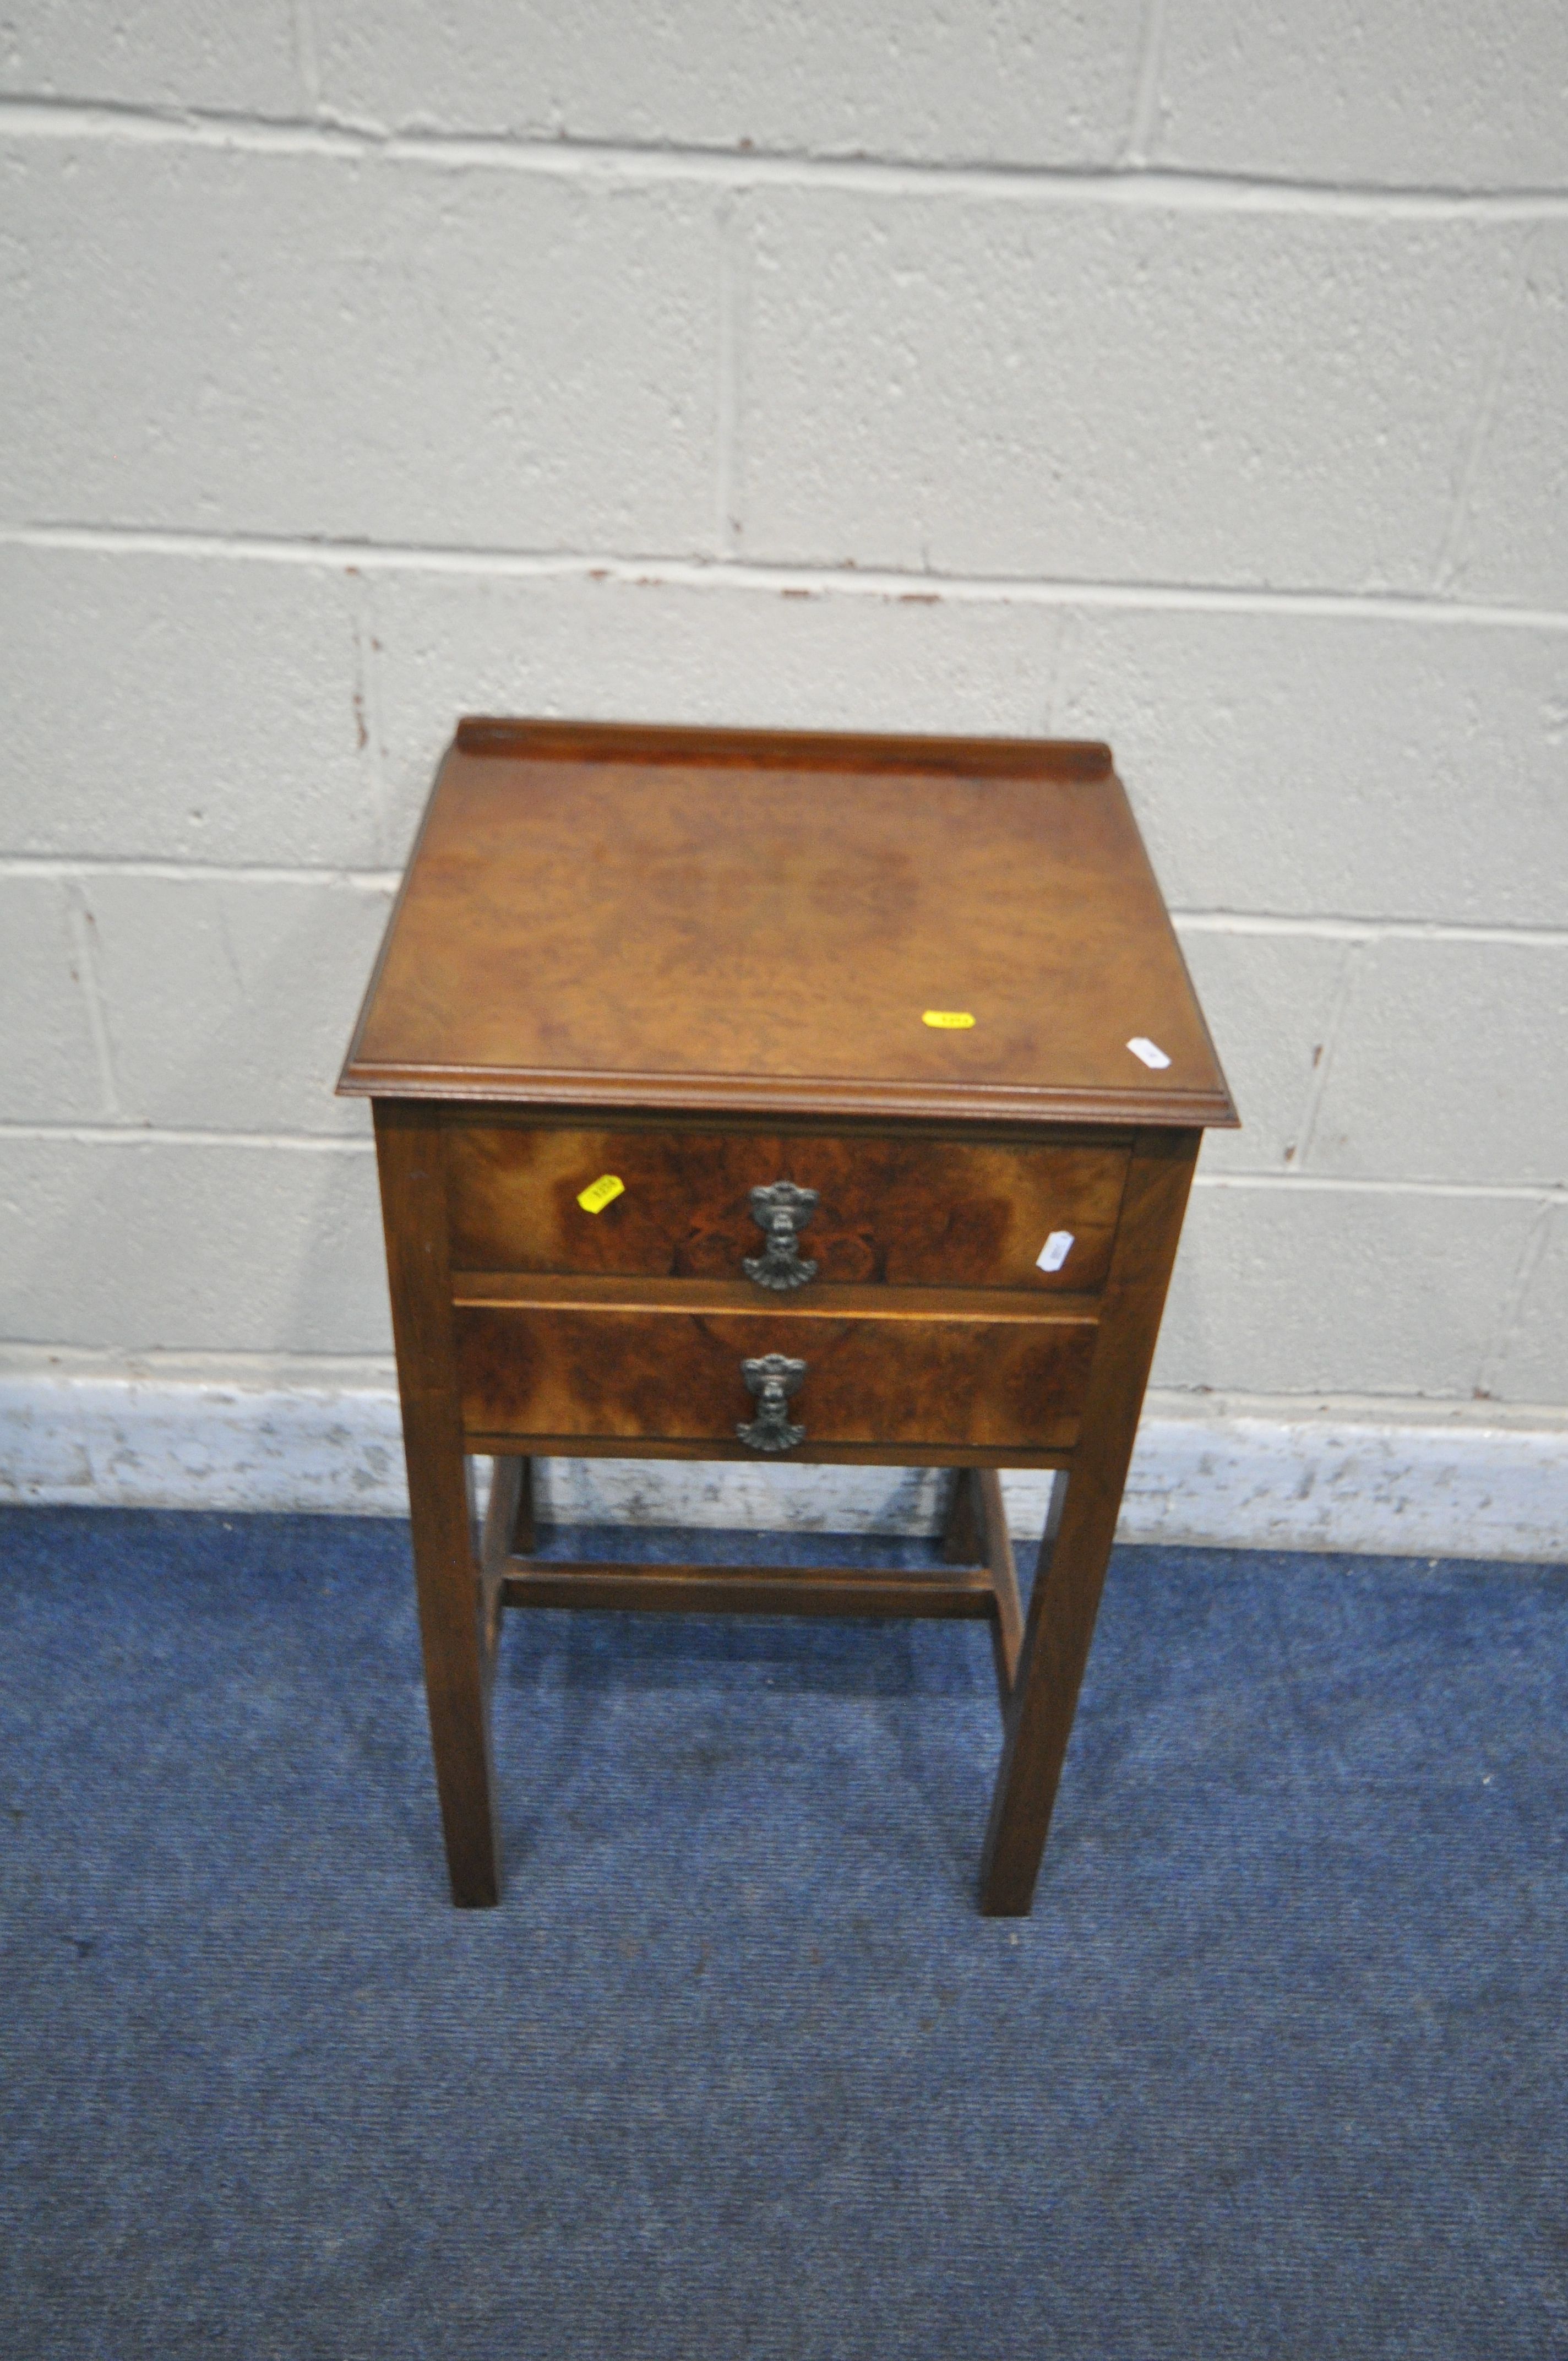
(744, 1094)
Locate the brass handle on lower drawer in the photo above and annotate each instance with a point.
(780, 1211)
(772, 1379)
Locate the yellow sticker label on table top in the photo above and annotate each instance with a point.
(948, 1020)
(601, 1192)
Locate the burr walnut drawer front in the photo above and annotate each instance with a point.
(795, 1381)
(867, 1210)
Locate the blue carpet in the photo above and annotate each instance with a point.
(1275, 2069)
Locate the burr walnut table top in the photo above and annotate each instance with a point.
(761, 922)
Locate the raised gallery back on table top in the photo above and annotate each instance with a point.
(756, 924)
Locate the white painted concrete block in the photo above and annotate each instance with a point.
(147, 1243)
(1269, 1000)
(1450, 1063)
(200, 53)
(1294, 1290)
(281, 343)
(1533, 1364)
(1086, 390)
(1461, 93)
(270, 347)
(1512, 541)
(665, 651)
(1334, 765)
(1006, 80)
(50, 1069)
(230, 1002)
(182, 708)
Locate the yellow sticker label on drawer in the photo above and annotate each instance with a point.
(601, 1192)
(948, 1021)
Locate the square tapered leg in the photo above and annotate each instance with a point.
(452, 1622)
(1066, 1597)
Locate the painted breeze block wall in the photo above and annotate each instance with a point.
(1186, 374)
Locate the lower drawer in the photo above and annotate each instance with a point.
(680, 1377)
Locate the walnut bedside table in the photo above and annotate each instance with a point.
(821, 1098)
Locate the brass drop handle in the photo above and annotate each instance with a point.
(780, 1211)
(773, 1379)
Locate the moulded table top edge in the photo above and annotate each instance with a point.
(794, 1094)
(1051, 764)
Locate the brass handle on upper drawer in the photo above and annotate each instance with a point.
(772, 1379)
(780, 1211)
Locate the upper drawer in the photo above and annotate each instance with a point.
(903, 1210)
